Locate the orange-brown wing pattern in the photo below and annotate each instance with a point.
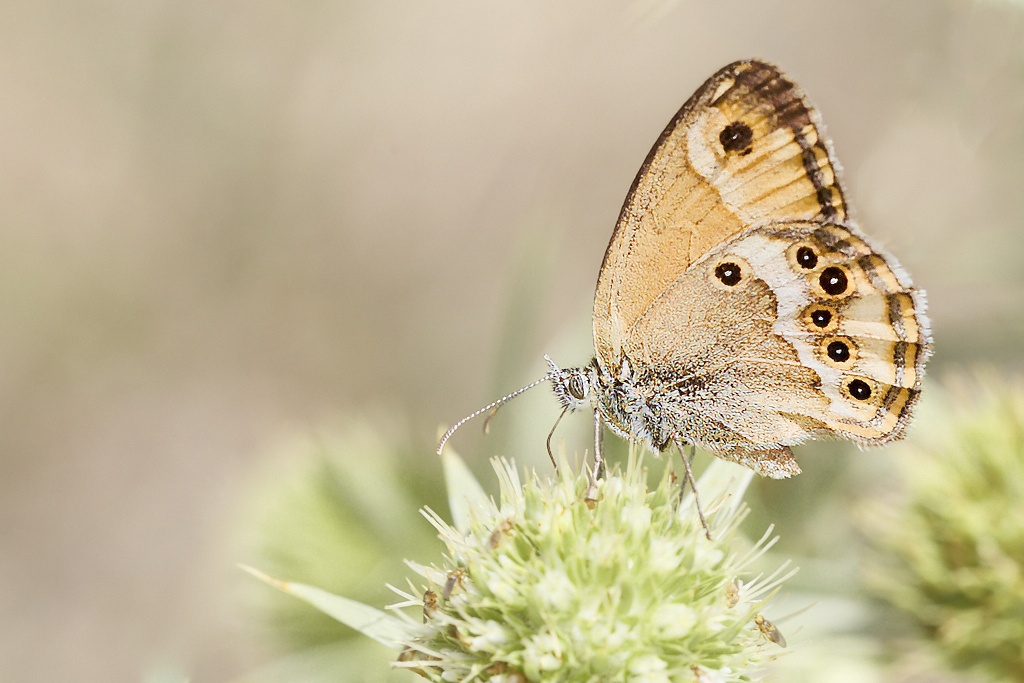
(746, 149)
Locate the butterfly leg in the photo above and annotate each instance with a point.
(598, 446)
(597, 473)
(693, 454)
(693, 485)
(551, 434)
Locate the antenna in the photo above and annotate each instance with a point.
(491, 406)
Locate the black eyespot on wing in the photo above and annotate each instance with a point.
(859, 389)
(728, 273)
(833, 280)
(736, 137)
(806, 257)
(839, 351)
(821, 317)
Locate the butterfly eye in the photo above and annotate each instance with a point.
(729, 273)
(577, 388)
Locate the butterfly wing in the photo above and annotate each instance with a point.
(743, 177)
(745, 149)
(782, 333)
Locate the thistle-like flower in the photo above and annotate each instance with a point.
(546, 585)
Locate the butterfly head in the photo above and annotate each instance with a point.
(574, 387)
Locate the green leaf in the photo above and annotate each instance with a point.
(369, 621)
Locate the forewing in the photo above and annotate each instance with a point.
(746, 149)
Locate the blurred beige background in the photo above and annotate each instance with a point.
(223, 221)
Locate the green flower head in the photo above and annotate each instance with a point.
(950, 553)
(544, 585)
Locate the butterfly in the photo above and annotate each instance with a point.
(739, 308)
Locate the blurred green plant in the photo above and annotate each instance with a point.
(337, 511)
(950, 550)
(544, 585)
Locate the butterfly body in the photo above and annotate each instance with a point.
(738, 306)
